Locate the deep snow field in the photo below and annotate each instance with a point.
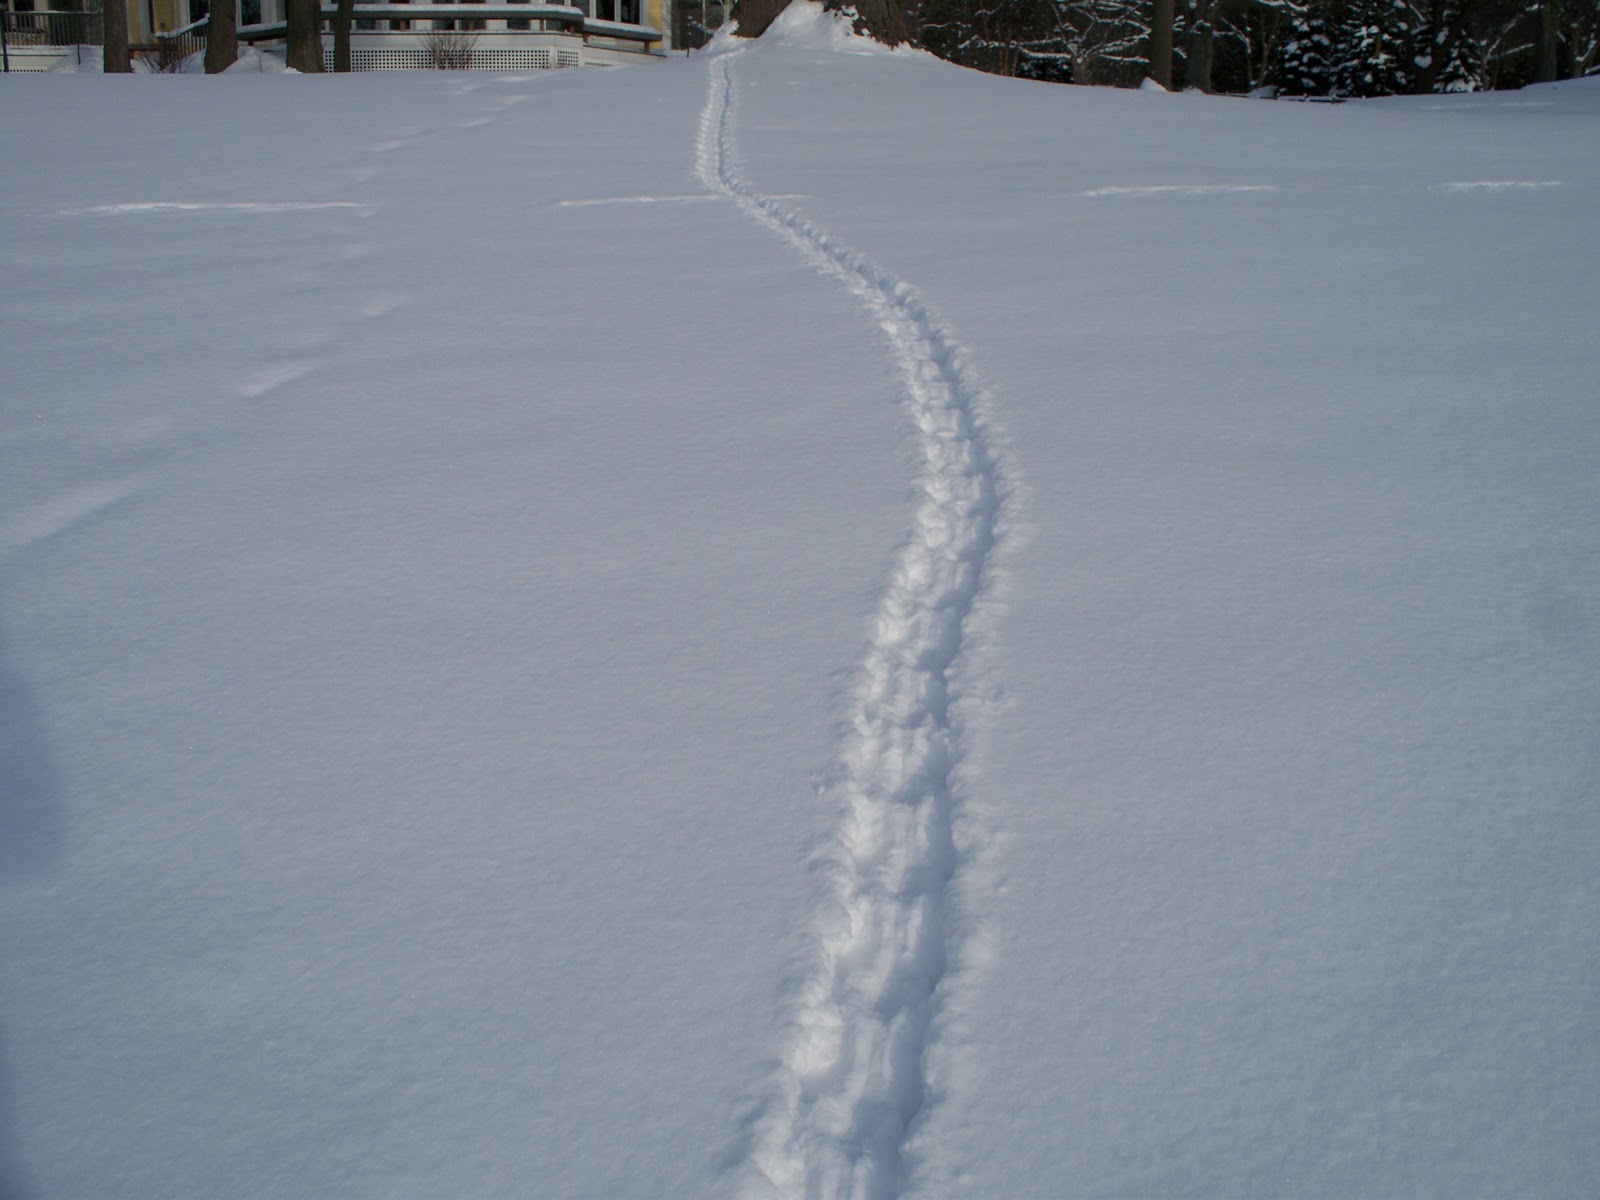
(796, 622)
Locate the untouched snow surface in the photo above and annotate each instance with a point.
(796, 623)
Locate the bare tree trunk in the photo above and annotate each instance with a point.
(1200, 51)
(1546, 67)
(305, 35)
(755, 15)
(341, 34)
(1198, 60)
(222, 37)
(1161, 44)
(115, 59)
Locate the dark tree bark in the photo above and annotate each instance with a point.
(341, 34)
(1427, 77)
(305, 35)
(1200, 50)
(1161, 43)
(1197, 61)
(114, 57)
(1546, 65)
(222, 37)
(755, 15)
(885, 20)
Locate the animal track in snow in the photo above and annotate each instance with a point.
(851, 1081)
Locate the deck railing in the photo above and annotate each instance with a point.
(181, 43)
(52, 28)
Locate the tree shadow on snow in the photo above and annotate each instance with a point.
(32, 826)
(31, 811)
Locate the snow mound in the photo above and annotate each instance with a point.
(91, 64)
(1588, 81)
(808, 23)
(252, 61)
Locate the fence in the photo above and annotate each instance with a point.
(172, 48)
(52, 28)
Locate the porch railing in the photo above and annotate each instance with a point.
(61, 28)
(181, 43)
(53, 28)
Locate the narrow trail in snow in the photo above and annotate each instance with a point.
(852, 1081)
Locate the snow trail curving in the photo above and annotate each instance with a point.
(851, 1080)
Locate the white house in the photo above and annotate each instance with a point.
(505, 35)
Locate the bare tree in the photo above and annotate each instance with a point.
(1161, 43)
(342, 20)
(450, 49)
(222, 36)
(1199, 45)
(305, 35)
(115, 59)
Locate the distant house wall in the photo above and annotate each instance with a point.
(508, 34)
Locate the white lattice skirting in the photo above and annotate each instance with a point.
(489, 58)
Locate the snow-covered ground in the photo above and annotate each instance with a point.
(796, 622)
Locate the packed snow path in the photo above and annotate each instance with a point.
(851, 1080)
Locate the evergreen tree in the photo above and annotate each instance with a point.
(1310, 56)
(1372, 49)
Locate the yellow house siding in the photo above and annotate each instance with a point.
(171, 14)
(168, 14)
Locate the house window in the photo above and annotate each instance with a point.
(444, 23)
(401, 25)
(249, 12)
(628, 11)
(521, 23)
